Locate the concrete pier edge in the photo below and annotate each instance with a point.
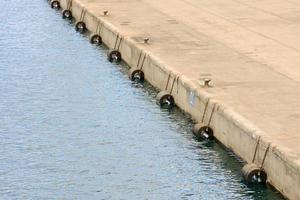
(231, 129)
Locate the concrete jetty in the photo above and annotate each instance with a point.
(249, 50)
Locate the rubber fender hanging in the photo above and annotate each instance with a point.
(80, 27)
(136, 75)
(253, 174)
(165, 100)
(67, 14)
(203, 132)
(55, 4)
(96, 39)
(114, 55)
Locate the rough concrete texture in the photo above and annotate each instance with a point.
(250, 49)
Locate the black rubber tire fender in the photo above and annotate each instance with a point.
(96, 39)
(80, 27)
(55, 4)
(253, 174)
(114, 55)
(67, 14)
(203, 132)
(164, 97)
(136, 75)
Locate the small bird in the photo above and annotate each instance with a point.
(146, 40)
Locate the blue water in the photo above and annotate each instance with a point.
(72, 126)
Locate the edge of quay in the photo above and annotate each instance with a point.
(231, 129)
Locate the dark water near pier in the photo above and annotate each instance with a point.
(72, 126)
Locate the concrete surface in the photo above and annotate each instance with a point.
(250, 49)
